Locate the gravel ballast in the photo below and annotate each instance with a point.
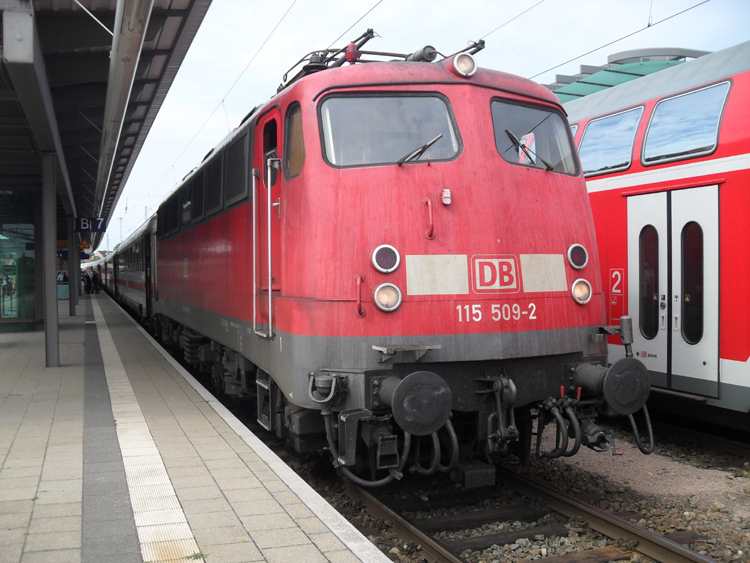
(676, 489)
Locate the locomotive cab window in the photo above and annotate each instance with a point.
(376, 129)
(533, 137)
(607, 143)
(294, 151)
(270, 150)
(685, 126)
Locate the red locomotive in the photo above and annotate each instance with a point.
(405, 248)
(666, 159)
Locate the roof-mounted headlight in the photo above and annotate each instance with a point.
(464, 65)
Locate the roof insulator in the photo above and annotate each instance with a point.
(352, 54)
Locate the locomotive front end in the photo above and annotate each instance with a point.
(464, 231)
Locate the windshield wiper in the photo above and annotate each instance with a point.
(527, 151)
(415, 154)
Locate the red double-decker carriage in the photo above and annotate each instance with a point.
(667, 163)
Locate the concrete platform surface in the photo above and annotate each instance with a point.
(121, 456)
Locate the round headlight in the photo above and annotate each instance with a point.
(578, 257)
(387, 297)
(385, 258)
(464, 64)
(581, 291)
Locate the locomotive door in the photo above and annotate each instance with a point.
(266, 222)
(673, 287)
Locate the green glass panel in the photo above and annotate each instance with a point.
(17, 295)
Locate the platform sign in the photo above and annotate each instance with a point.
(91, 225)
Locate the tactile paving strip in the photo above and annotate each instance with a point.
(162, 528)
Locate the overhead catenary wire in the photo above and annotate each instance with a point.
(221, 103)
(348, 29)
(512, 19)
(647, 26)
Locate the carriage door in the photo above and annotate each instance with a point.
(266, 221)
(149, 289)
(673, 287)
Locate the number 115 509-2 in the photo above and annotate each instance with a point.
(504, 312)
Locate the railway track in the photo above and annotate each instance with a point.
(628, 537)
(677, 433)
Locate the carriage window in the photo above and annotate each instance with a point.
(533, 137)
(160, 221)
(649, 281)
(294, 153)
(372, 130)
(607, 143)
(187, 203)
(166, 210)
(685, 126)
(574, 130)
(213, 186)
(235, 179)
(174, 213)
(198, 191)
(692, 283)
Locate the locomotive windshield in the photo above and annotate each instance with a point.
(372, 130)
(532, 137)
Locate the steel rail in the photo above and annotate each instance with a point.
(649, 543)
(430, 545)
(696, 437)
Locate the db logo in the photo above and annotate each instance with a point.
(494, 273)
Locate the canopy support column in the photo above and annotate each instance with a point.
(74, 267)
(49, 258)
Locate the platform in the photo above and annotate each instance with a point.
(121, 456)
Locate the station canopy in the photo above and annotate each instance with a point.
(85, 79)
(620, 68)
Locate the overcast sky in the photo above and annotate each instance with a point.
(550, 33)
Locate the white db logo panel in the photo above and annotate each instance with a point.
(494, 273)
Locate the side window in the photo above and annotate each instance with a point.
(692, 283)
(198, 191)
(607, 143)
(166, 208)
(160, 220)
(235, 175)
(573, 130)
(294, 150)
(174, 212)
(187, 203)
(649, 281)
(685, 126)
(213, 186)
(270, 150)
